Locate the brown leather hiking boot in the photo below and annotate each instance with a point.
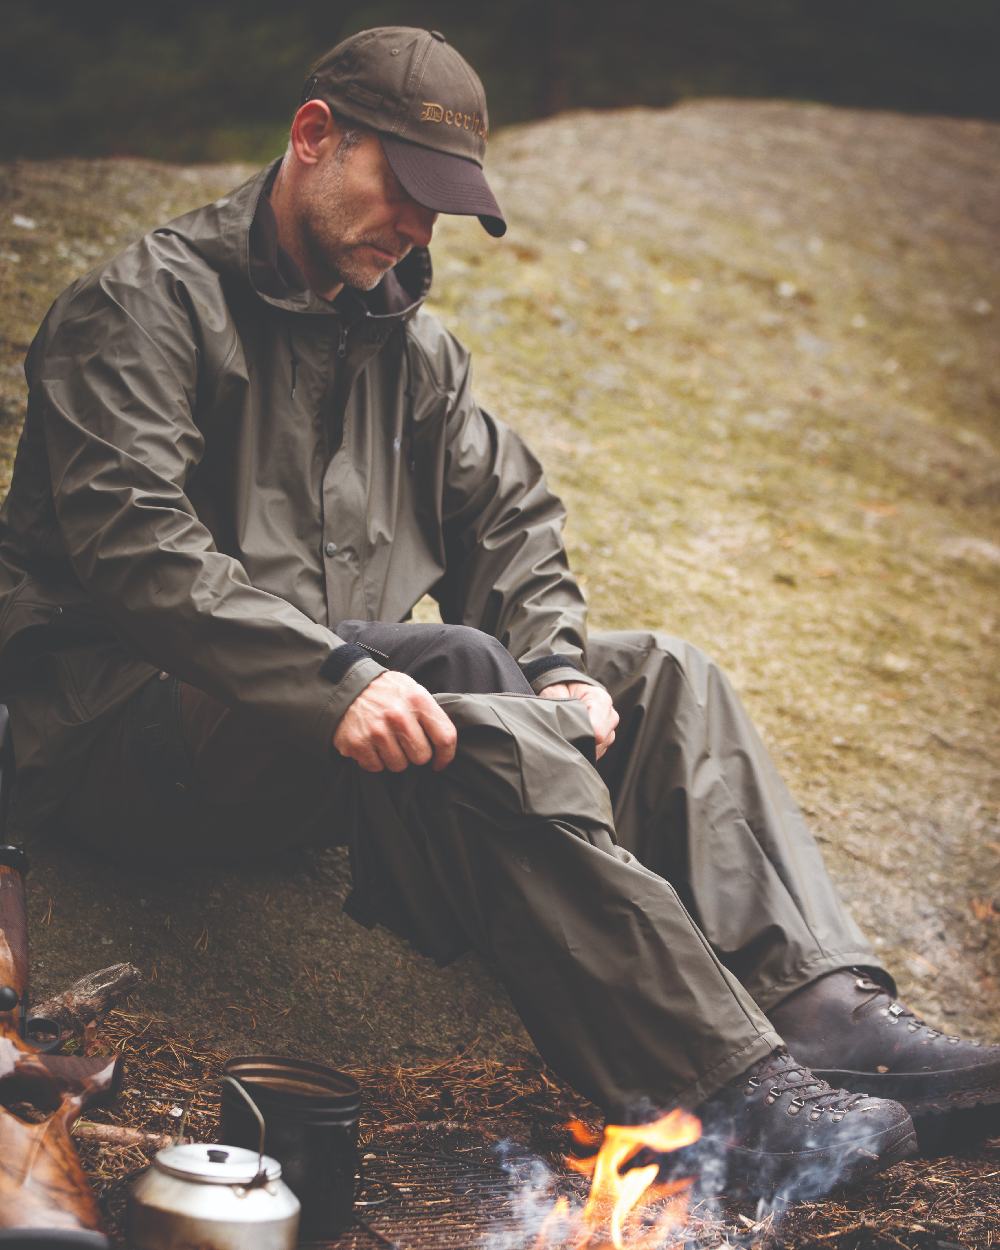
(852, 1032)
(779, 1131)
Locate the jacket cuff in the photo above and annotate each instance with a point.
(554, 676)
(356, 672)
(550, 670)
(336, 665)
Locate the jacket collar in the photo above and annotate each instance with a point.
(221, 234)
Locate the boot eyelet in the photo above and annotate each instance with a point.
(815, 1114)
(753, 1082)
(795, 1106)
(772, 1097)
(838, 1116)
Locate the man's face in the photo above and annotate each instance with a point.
(357, 220)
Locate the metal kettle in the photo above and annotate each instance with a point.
(213, 1198)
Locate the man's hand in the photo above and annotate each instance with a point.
(394, 722)
(597, 701)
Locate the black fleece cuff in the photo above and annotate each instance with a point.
(535, 668)
(341, 659)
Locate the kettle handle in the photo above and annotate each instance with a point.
(257, 1115)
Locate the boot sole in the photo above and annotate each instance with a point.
(921, 1093)
(944, 1120)
(797, 1175)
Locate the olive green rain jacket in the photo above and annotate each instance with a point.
(217, 467)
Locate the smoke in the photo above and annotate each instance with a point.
(808, 1168)
(722, 1184)
(815, 1176)
(533, 1194)
(534, 1220)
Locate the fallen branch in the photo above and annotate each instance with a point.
(89, 998)
(120, 1135)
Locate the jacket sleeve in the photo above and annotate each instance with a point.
(506, 567)
(114, 378)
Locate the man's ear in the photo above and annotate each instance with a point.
(314, 132)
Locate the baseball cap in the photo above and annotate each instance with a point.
(429, 109)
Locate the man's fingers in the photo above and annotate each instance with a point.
(440, 731)
(399, 737)
(365, 758)
(393, 723)
(390, 752)
(410, 738)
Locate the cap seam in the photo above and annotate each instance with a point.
(399, 101)
(415, 77)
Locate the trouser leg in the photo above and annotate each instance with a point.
(698, 799)
(511, 849)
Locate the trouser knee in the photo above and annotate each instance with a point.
(480, 662)
(630, 662)
(443, 658)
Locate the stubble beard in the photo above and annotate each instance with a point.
(333, 255)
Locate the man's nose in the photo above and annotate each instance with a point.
(416, 223)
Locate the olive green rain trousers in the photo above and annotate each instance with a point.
(643, 914)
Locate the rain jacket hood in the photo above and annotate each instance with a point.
(217, 466)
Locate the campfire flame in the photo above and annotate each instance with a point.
(615, 1194)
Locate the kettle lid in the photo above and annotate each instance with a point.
(216, 1165)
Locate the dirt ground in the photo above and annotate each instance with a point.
(457, 1118)
(756, 346)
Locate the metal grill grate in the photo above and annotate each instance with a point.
(444, 1190)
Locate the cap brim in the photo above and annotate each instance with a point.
(444, 183)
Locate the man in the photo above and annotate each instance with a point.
(248, 453)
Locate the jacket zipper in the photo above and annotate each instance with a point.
(375, 651)
(409, 430)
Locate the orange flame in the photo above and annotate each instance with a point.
(615, 1194)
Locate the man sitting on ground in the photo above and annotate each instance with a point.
(249, 451)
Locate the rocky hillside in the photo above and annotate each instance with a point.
(756, 345)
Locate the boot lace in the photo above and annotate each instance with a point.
(895, 1009)
(784, 1075)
